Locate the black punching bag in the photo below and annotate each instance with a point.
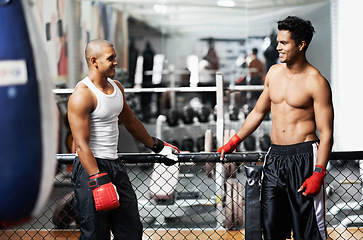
(271, 54)
(252, 201)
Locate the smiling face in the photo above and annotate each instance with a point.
(288, 51)
(107, 62)
(101, 58)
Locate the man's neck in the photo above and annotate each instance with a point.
(297, 66)
(98, 81)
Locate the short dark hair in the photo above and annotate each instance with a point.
(300, 29)
(254, 51)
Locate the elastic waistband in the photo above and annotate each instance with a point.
(294, 148)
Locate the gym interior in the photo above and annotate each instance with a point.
(185, 69)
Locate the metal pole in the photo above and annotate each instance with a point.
(73, 10)
(220, 217)
(172, 89)
(197, 157)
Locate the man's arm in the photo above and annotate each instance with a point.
(324, 117)
(138, 131)
(133, 125)
(261, 109)
(79, 109)
(257, 115)
(253, 120)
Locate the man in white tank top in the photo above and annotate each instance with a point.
(106, 200)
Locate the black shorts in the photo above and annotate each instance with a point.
(124, 222)
(285, 169)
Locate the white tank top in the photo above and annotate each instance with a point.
(104, 121)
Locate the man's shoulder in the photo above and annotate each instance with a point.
(275, 70)
(81, 92)
(276, 67)
(314, 75)
(82, 99)
(81, 88)
(118, 84)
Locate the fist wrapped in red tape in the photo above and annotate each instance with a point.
(312, 185)
(230, 146)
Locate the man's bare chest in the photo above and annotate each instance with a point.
(295, 94)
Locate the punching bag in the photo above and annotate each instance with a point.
(252, 200)
(28, 120)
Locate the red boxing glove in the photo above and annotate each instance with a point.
(313, 184)
(104, 192)
(231, 145)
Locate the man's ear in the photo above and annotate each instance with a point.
(94, 62)
(302, 45)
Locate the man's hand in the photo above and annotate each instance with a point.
(230, 146)
(104, 192)
(165, 149)
(312, 185)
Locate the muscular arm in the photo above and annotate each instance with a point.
(324, 117)
(133, 124)
(253, 120)
(257, 115)
(79, 109)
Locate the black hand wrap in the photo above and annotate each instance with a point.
(318, 169)
(158, 145)
(95, 183)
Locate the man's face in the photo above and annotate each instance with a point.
(286, 47)
(107, 62)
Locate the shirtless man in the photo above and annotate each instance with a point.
(106, 200)
(300, 101)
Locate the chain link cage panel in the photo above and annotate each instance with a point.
(186, 201)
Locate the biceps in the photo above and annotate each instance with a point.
(80, 127)
(126, 116)
(323, 109)
(324, 116)
(263, 103)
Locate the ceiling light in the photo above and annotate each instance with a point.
(161, 9)
(226, 3)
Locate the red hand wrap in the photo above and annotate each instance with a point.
(104, 192)
(313, 183)
(231, 145)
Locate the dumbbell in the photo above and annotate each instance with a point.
(233, 113)
(187, 115)
(265, 142)
(203, 114)
(250, 143)
(187, 144)
(172, 117)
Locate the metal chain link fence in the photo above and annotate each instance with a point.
(184, 202)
